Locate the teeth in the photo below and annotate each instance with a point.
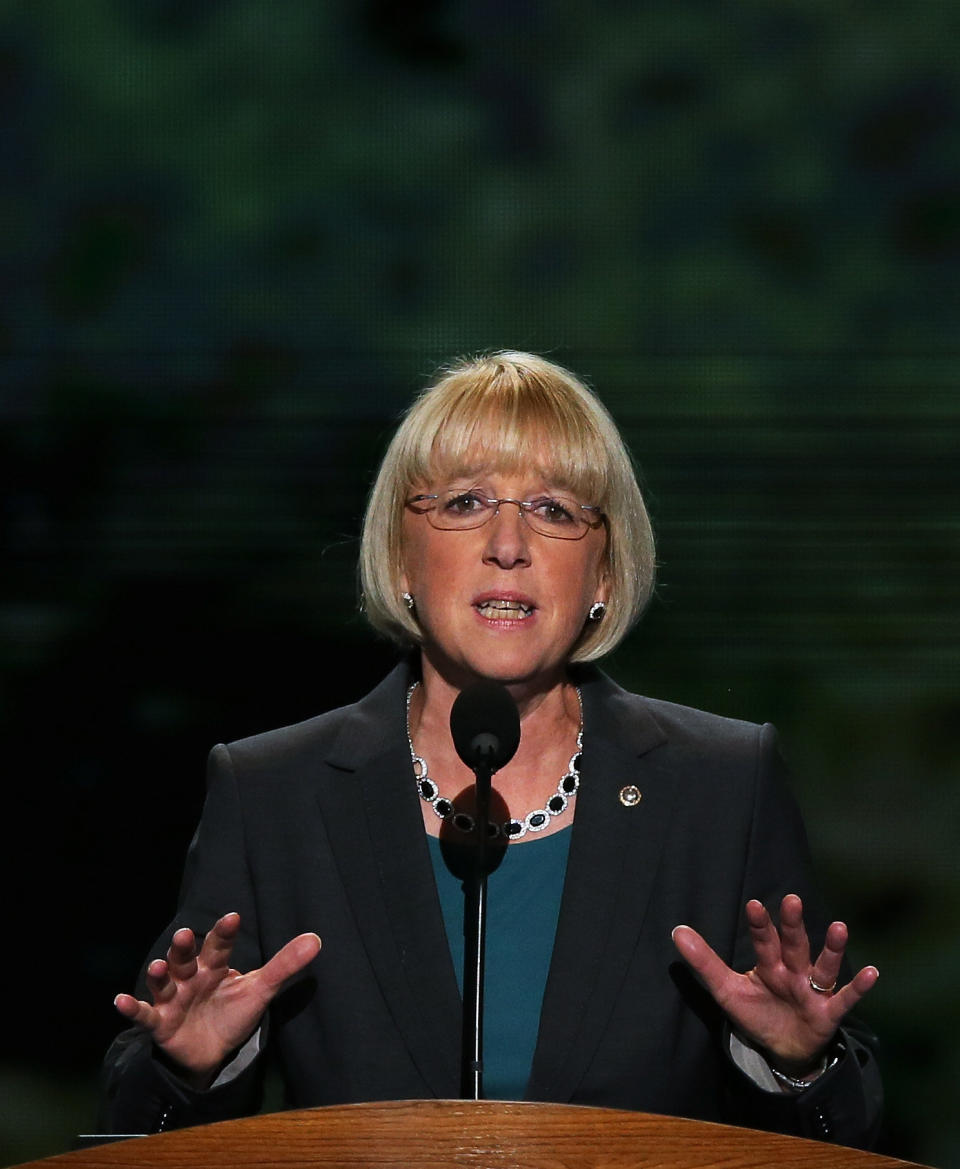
(511, 609)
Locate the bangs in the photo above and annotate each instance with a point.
(510, 429)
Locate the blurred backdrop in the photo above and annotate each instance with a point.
(237, 235)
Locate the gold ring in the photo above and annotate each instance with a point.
(821, 989)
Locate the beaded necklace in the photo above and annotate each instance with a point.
(511, 829)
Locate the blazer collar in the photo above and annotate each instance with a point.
(374, 724)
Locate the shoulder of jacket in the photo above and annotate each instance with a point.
(360, 721)
(620, 709)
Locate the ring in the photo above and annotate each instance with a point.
(821, 989)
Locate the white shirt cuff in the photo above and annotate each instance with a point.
(240, 1062)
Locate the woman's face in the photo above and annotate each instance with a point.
(501, 601)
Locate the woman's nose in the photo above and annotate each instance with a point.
(508, 536)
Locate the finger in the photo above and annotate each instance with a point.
(288, 961)
(826, 969)
(182, 954)
(703, 960)
(161, 986)
(848, 996)
(763, 934)
(794, 942)
(135, 1010)
(218, 944)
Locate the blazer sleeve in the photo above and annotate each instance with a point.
(140, 1093)
(845, 1104)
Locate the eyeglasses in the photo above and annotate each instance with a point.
(557, 516)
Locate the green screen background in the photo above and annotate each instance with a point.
(238, 235)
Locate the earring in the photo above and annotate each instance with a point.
(408, 600)
(597, 610)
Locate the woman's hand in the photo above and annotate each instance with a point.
(202, 1008)
(776, 1004)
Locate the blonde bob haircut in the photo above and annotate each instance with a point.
(501, 412)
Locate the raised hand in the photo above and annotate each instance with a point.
(202, 1008)
(787, 1004)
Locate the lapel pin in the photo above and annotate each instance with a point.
(630, 796)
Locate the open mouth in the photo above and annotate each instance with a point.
(503, 610)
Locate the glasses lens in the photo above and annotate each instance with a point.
(459, 510)
(556, 515)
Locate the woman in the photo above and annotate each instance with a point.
(505, 539)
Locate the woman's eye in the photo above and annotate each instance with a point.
(464, 503)
(554, 511)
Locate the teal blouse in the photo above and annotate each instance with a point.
(523, 904)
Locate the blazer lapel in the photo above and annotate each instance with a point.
(375, 830)
(614, 854)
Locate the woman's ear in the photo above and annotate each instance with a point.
(603, 587)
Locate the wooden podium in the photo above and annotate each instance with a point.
(465, 1134)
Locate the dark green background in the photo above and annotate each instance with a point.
(236, 237)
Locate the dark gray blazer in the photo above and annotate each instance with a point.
(318, 827)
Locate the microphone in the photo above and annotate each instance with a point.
(485, 725)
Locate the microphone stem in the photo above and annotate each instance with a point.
(475, 925)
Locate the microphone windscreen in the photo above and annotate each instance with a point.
(485, 725)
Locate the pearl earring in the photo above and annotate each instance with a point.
(597, 610)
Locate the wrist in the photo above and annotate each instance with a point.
(798, 1076)
(197, 1079)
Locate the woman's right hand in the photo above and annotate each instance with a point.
(202, 1008)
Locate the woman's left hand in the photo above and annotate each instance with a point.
(775, 1005)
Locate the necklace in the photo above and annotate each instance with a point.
(513, 828)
